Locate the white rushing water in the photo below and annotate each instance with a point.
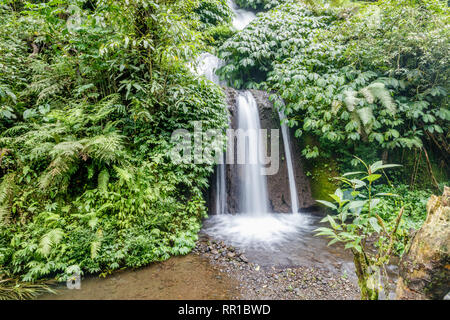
(258, 231)
(221, 192)
(207, 65)
(289, 163)
(253, 185)
(241, 17)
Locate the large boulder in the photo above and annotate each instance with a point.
(424, 271)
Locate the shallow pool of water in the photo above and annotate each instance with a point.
(284, 240)
(280, 240)
(179, 278)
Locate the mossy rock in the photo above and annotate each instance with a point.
(424, 270)
(321, 172)
(322, 183)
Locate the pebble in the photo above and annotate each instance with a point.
(231, 254)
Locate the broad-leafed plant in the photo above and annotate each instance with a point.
(357, 223)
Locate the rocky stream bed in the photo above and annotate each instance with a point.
(274, 282)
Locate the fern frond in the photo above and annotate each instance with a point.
(103, 179)
(366, 115)
(7, 186)
(104, 108)
(367, 94)
(12, 289)
(351, 100)
(14, 131)
(379, 91)
(67, 149)
(49, 240)
(41, 151)
(4, 214)
(124, 174)
(106, 148)
(96, 244)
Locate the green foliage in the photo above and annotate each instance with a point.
(414, 203)
(89, 98)
(215, 21)
(361, 76)
(214, 12)
(216, 36)
(274, 36)
(358, 219)
(258, 4)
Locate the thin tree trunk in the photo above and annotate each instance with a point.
(363, 273)
(430, 169)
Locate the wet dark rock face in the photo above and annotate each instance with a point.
(277, 184)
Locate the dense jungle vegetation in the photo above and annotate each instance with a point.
(91, 91)
(90, 95)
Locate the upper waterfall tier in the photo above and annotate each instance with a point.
(241, 17)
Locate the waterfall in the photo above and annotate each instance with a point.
(253, 184)
(221, 193)
(241, 17)
(207, 64)
(243, 188)
(290, 167)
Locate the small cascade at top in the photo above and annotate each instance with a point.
(241, 17)
(207, 64)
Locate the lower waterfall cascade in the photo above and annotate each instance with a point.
(253, 186)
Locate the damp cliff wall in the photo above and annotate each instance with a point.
(277, 184)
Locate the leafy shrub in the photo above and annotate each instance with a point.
(369, 76)
(258, 4)
(85, 176)
(357, 220)
(414, 203)
(214, 12)
(274, 36)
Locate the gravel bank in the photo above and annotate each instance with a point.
(277, 282)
